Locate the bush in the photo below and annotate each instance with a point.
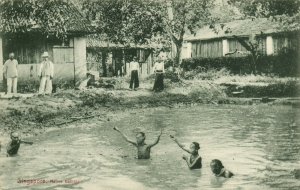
(286, 63)
(202, 74)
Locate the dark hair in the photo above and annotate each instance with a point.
(218, 162)
(142, 133)
(197, 145)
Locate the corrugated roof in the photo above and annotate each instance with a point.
(239, 28)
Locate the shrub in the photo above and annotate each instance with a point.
(286, 63)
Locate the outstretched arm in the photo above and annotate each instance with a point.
(125, 137)
(179, 144)
(157, 140)
(26, 142)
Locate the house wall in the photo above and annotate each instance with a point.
(207, 48)
(80, 58)
(268, 45)
(29, 72)
(1, 60)
(66, 58)
(286, 41)
(187, 50)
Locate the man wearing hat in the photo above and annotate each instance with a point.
(10, 71)
(46, 75)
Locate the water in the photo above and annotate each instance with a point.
(259, 144)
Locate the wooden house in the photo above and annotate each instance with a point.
(68, 56)
(269, 36)
(111, 59)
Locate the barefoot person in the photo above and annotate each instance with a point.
(46, 75)
(159, 70)
(14, 145)
(134, 74)
(143, 149)
(195, 160)
(218, 169)
(10, 70)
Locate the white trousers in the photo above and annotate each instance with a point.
(12, 83)
(45, 85)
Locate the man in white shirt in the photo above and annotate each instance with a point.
(10, 71)
(134, 68)
(46, 75)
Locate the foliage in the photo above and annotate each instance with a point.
(206, 74)
(178, 16)
(277, 88)
(122, 21)
(286, 11)
(267, 8)
(49, 17)
(286, 63)
(135, 21)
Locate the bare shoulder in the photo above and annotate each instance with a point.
(228, 174)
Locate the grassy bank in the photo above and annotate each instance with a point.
(214, 87)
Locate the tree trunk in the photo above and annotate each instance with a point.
(104, 67)
(254, 60)
(178, 57)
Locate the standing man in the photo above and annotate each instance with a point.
(46, 75)
(134, 67)
(159, 70)
(11, 73)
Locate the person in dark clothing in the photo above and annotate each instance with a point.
(134, 67)
(195, 160)
(14, 144)
(159, 70)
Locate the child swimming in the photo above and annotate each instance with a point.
(195, 160)
(218, 169)
(14, 145)
(143, 149)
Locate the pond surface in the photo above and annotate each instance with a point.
(259, 144)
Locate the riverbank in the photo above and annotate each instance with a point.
(32, 114)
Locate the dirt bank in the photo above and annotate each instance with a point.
(33, 115)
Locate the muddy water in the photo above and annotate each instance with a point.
(259, 144)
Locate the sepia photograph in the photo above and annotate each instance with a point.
(149, 94)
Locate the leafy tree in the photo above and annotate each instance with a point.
(180, 16)
(122, 21)
(23, 16)
(267, 8)
(137, 21)
(285, 12)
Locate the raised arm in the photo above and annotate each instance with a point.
(179, 144)
(156, 141)
(125, 137)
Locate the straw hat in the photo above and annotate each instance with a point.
(45, 54)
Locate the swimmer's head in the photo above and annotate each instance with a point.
(14, 136)
(216, 166)
(140, 137)
(194, 147)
